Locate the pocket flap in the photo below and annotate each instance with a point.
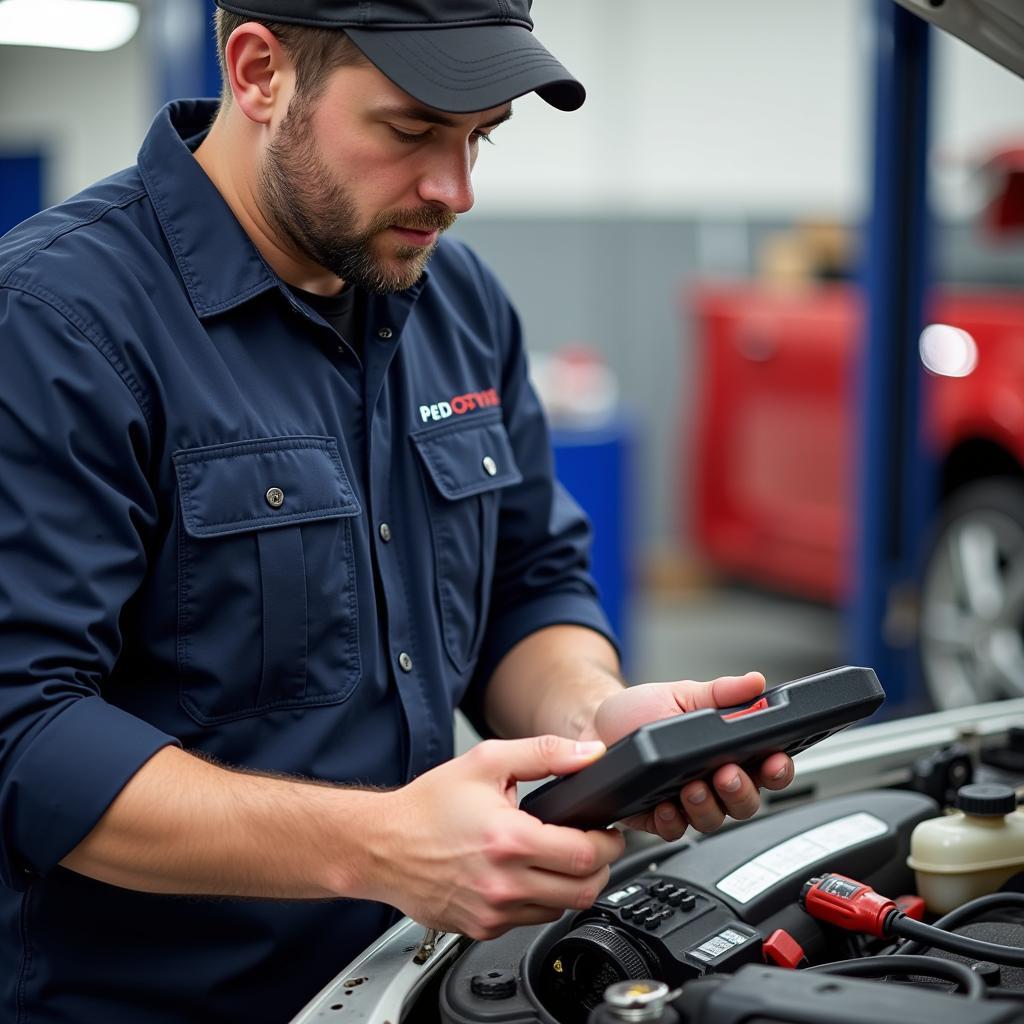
(253, 485)
(468, 458)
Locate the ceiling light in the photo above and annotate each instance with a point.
(68, 24)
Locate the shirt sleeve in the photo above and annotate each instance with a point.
(76, 508)
(541, 575)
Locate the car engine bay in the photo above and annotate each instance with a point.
(887, 885)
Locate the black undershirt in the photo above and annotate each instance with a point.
(344, 312)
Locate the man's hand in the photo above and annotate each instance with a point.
(454, 852)
(451, 848)
(733, 792)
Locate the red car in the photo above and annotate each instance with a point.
(772, 496)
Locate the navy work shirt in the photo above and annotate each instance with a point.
(221, 527)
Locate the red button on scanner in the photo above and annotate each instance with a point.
(758, 705)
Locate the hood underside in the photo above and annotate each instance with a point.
(994, 27)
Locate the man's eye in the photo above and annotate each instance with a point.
(484, 137)
(408, 137)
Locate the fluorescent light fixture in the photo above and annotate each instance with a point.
(68, 24)
(948, 351)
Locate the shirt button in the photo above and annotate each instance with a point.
(275, 497)
(405, 662)
(385, 532)
(490, 466)
(385, 333)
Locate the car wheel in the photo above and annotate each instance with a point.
(972, 597)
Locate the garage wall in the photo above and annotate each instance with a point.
(707, 125)
(726, 108)
(691, 105)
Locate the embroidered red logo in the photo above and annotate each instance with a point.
(460, 405)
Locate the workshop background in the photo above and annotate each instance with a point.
(726, 170)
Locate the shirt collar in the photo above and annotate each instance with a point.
(219, 264)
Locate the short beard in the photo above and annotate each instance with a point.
(307, 206)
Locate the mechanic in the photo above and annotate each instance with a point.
(277, 497)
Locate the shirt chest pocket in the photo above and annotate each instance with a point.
(267, 614)
(466, 465)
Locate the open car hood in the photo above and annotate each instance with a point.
(994, 27)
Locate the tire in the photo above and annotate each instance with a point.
(971, 632)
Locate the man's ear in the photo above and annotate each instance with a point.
(260, 72)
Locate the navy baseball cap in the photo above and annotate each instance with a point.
(458, 56)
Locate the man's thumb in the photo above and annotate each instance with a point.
(540, 756)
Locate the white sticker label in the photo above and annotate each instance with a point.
(719, 944)
(618, 897)
(761, 873)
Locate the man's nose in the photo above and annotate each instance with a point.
(448, 182)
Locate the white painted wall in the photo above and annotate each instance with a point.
(725, 109)
(728, 108)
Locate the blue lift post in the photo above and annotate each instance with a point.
(896, 478)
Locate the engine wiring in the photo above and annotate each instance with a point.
(854, 906)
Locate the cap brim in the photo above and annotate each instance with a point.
(462, 70)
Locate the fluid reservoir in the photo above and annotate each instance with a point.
(971, 852)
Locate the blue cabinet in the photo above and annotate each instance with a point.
(595, 466)
(21, 187)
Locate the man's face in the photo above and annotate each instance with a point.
(363, 179)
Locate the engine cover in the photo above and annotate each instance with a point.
(705, 908)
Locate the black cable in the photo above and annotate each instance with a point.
(973, 907)
(962, 976)
(966, 912)
(932, 935)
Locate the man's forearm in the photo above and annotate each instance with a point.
(552, 682)
(473, 863)
(183, 825)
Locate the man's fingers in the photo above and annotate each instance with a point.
(776, 772)
(536, 757)
(609, 842)
(669, 821)
(729, 690)
(736, 792)
(723, 692)
(567, 851)
(666, 821)
(643, 822)
(701, 807)
(549, 889)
